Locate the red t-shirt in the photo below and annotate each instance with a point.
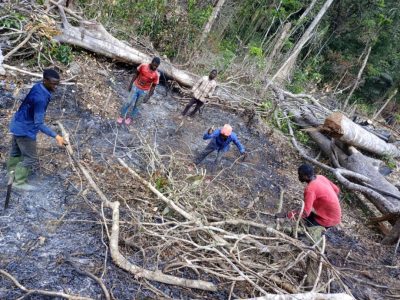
(146, 77)
(322, 196)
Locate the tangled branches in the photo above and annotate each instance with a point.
(164, 223)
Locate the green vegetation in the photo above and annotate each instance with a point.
(246, 31)
(389, 161)
(63, 53)
(301, 136)
(172, 29)
(12, 20)
(161, 183)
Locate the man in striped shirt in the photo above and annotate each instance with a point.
(204, 88)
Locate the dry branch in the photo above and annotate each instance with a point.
(167, 201)
(38, 75)
(27, 38)
(40, 292)
(116, 255)
(305, 296)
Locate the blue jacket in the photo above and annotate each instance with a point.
(29, 119)
(222, 145)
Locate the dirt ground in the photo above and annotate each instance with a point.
(43, 231)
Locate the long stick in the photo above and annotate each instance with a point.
(38, 75)
(385, 104)
(9, 187)
(358, 78)
(40, 292)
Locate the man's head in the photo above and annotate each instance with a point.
(51, 79)
(306, 173)
(213, 74)
(226, 131)
(155, 63)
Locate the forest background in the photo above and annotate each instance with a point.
(242, 41)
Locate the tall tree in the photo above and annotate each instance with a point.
(287, 67)
(211, 20)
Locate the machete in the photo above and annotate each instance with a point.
(9, 186)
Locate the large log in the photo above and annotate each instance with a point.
(342, 128)
(94, 37)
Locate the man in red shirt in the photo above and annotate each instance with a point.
(141, 88)
(321, 202)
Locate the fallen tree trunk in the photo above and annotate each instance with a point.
(94, 37)
(342, 128)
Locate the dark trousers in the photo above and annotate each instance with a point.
(310, 221)
(211, 147)
(190, 104)
(26, 148)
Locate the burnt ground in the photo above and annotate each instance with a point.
(42, 231)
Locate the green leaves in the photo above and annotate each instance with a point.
(63, 53)
(256, 51)
(13, 20)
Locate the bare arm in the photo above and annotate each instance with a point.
(151, 92)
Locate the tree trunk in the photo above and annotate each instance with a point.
(394, 93)
(92, 36)
(342, 128)
(306, 12)
(358, 77)
(211, 21)
(278, 44)
(286, 69)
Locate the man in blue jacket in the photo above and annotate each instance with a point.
(220, 140)
(26, 123)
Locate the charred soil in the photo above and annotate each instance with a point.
(43, 232)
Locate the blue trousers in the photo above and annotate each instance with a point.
(135, 99)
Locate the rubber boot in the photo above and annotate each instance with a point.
(12, 162)
(20, 179)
